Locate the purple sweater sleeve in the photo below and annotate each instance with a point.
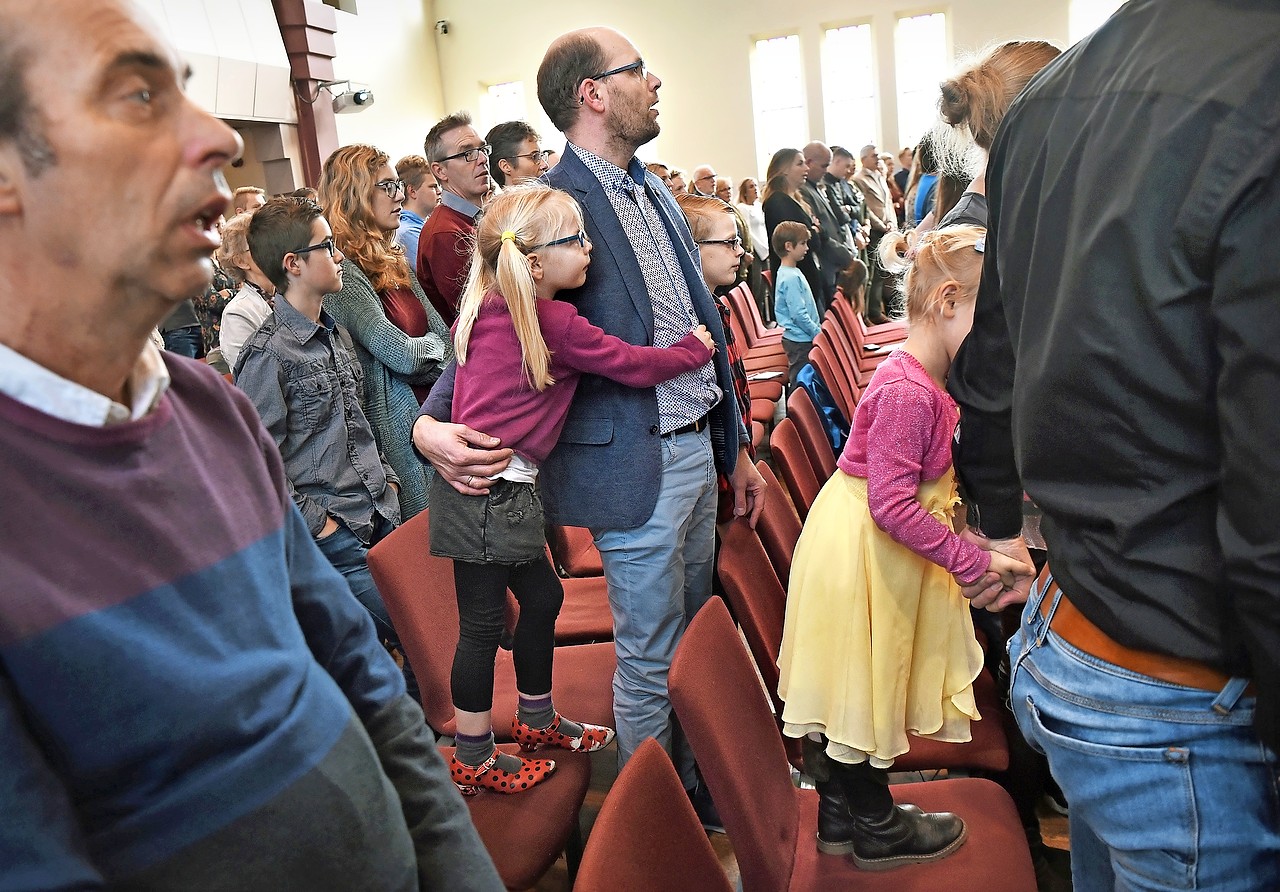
(585, 347)
(898, 438)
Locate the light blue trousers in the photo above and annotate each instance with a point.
(659, 575)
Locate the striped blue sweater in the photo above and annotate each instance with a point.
(190, 697)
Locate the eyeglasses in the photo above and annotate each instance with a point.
(709, 176)
(327, 245)
(535, 157)
(469, 155)
(735, 242)
(637, 65)
(580, 237)
(393, 188)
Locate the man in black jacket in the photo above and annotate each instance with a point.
(1123, 368)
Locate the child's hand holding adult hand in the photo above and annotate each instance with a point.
(703, 334)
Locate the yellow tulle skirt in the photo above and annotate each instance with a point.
(878, 642)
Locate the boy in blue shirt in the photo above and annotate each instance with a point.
(793, 303)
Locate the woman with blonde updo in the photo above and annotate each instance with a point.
(520, 356)
(974, 102)
(253, 303)
(400, 339)
(878, 643)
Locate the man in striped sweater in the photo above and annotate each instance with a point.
(190, 697)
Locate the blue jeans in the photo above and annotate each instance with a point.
(184, 341)
(1169, 786)
(350, 557)
(659, 575)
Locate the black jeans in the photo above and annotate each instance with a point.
(482, 602)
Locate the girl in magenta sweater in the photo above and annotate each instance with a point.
(878, 641)
(520, 356)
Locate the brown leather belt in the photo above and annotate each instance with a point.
(1073, 627)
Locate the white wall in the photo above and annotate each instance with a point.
(701, 50)
(388, 46)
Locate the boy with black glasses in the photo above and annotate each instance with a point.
(301, 372)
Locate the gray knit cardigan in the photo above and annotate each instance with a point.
(392, 361)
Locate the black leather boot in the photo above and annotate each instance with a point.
(835, 824)
(886, 836)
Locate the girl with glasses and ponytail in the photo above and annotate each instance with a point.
(520, 356)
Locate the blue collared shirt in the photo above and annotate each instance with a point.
(408, 232)
(691, 395)
(459, 204)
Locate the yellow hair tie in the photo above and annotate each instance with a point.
(508, 236)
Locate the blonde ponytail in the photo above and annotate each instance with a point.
(516, 220)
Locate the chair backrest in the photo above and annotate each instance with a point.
(794, 466)
(417, 588)
(726, 719)
(743, 302)
(758, 598)
(647, 835)
(833, 376)
(778, 526)
(574, 550)
(737, 327)
(802, 411)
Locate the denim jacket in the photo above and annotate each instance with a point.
(306, 383)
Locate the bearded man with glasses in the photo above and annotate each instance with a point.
(459, 161)
(637, 466)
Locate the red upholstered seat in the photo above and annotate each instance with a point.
(813, 436)
(647, 836)
(794, 466)
(833, 376)
(772, 824)
(418, 590)
(574, 551)
(525, 833)
(778, 525)
(743, 303)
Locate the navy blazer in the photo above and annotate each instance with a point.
(606, 469)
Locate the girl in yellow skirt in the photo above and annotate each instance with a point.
(878, 641)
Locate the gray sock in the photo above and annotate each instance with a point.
(475, 751)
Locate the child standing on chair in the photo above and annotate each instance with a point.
(520, 356)
(878, 642)
(793, 303)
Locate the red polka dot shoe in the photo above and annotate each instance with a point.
(592, 738)
(471, 779)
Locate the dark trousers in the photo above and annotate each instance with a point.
(482, 603)
(875, 308)
(797, 358)
(184, 341)
(349, 557)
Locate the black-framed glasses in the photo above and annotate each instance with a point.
(469, 155)
(735, 242)
(637, 65)
(535, 157)
(327, 245)
(580, 237)
(393, 188)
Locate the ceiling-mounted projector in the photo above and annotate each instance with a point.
(349, 101)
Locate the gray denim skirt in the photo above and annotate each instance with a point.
(502, 527)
